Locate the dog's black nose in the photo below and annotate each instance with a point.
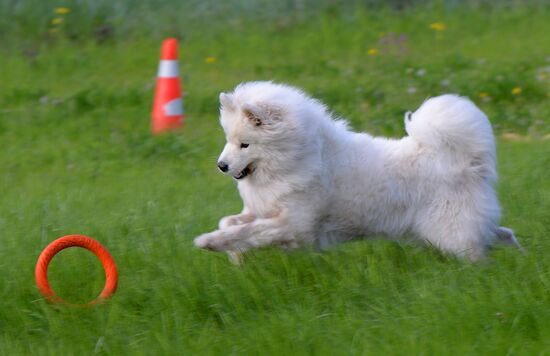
(223, 166)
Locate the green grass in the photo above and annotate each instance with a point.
(77, 157)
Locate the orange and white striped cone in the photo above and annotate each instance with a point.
(168, 105)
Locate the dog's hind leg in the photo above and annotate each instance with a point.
(326, 240)
(456, 229)
(506, 236)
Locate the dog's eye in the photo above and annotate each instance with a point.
(244, 145)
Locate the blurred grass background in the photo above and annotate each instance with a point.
(77, 156)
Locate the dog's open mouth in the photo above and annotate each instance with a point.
(249, 169)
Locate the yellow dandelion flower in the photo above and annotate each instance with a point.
(62, 10)
(210, 59)
(54, 30)
(438, 26)
(483, 94)
(381, 34)
(372, 52)
(516, 91)
(57, 21)
(548, 94)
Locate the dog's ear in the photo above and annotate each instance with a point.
(262, 114)
(227, 102)
(253, 114)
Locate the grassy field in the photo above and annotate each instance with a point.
(77, 157)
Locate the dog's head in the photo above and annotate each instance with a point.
(260, 128)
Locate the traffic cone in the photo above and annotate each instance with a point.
(168, 105)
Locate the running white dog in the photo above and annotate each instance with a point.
(306, 179)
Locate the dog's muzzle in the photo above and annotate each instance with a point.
(224, 167)
(244, 172)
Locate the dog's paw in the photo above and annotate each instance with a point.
(236, 257)
(200, 241)
(228, 221)
(211, 241)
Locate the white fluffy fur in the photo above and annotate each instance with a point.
(313, 181)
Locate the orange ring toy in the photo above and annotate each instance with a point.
(41, 270)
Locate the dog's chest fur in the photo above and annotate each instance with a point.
(262, 201)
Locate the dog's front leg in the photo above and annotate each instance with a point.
(258, 233)
(244, 217)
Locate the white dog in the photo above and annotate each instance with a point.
(306, 179)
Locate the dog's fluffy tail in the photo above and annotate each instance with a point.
(453, 123)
